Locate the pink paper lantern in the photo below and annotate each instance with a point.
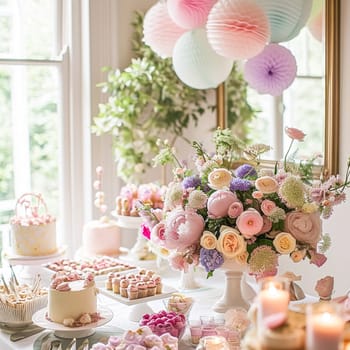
(272, 71)
(197, 64)
(315, 26)
(238, 29)
(159, 31)
(190, 14)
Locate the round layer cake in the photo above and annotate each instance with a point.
(33, 230)
(72, 301)
(101, 237)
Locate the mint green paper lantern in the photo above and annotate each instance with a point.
(286, 17)
(197, 64)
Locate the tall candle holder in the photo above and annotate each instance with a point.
(324, 326)
(273, 301)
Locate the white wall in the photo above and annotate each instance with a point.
(337, 226)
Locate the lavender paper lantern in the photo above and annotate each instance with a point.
(286, 17)
(272, 71)
(197, 64)
(238, 29)
(189, 14)
(159, 31)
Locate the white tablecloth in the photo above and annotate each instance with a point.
(205, 298)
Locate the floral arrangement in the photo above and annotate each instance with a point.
(230, 208)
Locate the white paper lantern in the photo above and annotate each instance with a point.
(286, 17)
(159, 31)
(197, 64)
(238, 29)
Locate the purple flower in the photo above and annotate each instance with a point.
(245, 170)
(191, 182)
(210, 259)
(238, 184)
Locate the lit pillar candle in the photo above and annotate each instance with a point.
(324, 331)
(273, 305)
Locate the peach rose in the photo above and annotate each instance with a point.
(250, 223)
(305, 227)
(266, 184)
(295, 134)
(219, 203)
(267, 207)
(324, 287)
(242, 258)
(284, 243)
(208, 240)
(298, 255)
(219, 179)
(230, 242)
(235, 210)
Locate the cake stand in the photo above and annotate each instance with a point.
(61, 331)
(32, 265)
(139, 306)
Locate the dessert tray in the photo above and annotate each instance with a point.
(99, 266)
(167, 291)
(39, 318)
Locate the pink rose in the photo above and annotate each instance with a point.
(324, 287)
(317, 258)
(267, 207)
(295, 134)
(235, 209)
(250, 223)
(158, 234)
(219, 203)
(178, 262)
(183, 228)
(267, 225)
(305, 227)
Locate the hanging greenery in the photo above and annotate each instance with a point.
(146, 102)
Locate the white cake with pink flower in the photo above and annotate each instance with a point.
(72, 300)
(33, 229)
(101, 237)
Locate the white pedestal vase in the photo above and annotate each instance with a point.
(188, 280)
(234, 289)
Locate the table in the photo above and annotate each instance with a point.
(205, 297)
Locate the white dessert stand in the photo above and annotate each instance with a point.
(61, 331)
(139, 306)
(32, 265)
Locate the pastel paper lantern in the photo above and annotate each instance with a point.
(159, 31)
(272, 71)
(197, 64)
(190, 14)
(315, 23)
(238, 29)
(286, 17)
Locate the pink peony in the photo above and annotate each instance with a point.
(295, 134)
(178, 262)
(219, 203)
(250, 223)
(267, 207)
(183, 228)
(145, 231)
(235, 210)
(305, 227)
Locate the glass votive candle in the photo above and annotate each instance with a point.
(273, 301)
(222, 331)
(324, 326)
(195, 330)
(208, 330)
(213, 343)
(207, 320)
